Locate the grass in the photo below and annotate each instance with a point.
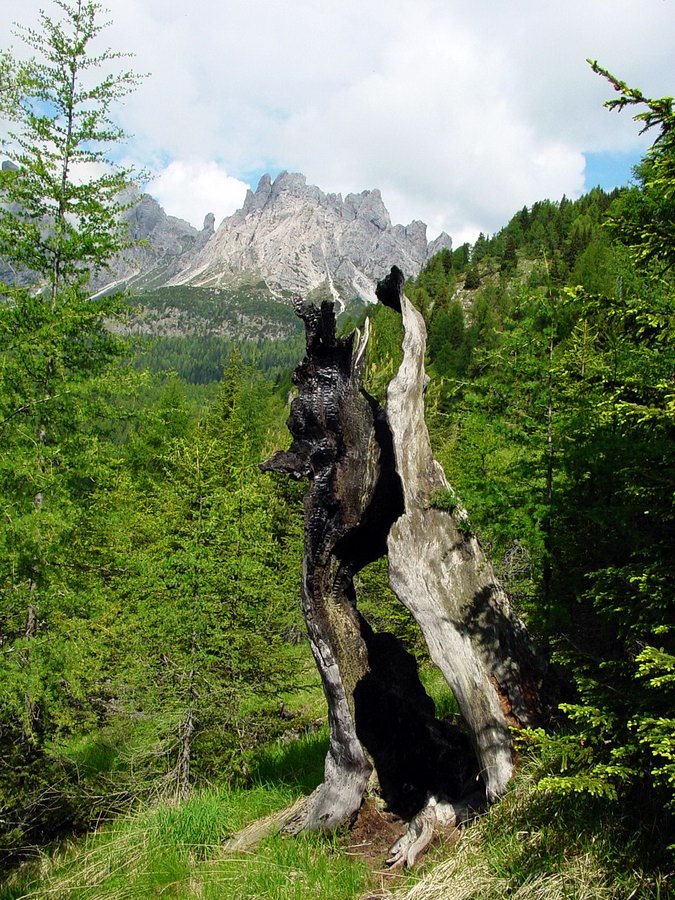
(298, 764)
(174, 849)
(283, 868)
(533, 845)
(437, 688)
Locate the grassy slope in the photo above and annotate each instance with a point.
(536, 846)
(174, 848)
(531, 846)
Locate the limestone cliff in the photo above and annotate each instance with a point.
(162, 245)
(297, 237)
(289, 235)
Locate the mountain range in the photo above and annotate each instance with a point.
(289, 236)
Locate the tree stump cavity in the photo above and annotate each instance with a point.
(371, 474)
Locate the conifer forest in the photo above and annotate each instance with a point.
(157, 688)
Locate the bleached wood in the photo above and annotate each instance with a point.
(260, 829)
(438, 569)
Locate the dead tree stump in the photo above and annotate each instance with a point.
(372, 478)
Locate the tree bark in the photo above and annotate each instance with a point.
(371, 477)
(333, 446)
(437, 568)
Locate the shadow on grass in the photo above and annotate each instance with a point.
(298, 764)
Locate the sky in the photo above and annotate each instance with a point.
(460, 111)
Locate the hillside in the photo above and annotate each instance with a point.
(425, 646)
(166, 600)
(189, 558)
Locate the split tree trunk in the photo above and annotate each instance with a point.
(438, 569)
(371, 481)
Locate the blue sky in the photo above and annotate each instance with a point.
(609, 169)
(459, 111)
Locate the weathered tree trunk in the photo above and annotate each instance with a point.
(186, 730)
(437, 568)
(371, 481)
(332, 427)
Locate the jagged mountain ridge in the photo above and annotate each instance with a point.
(297, 237)
(288, 234)
(162, 245)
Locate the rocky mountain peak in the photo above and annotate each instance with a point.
(262, 194)
(292, 182)
(442, 242)
(369, 207)
(296, 237)
(288, 233)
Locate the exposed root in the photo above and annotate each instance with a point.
(436, 814)
(255, 832)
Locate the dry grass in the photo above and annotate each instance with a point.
(537, 846)
(468, 875)
(531, 846)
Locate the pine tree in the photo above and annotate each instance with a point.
(60, 215)
(645, 220)
(58, 225)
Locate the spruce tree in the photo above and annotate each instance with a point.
(59, 224)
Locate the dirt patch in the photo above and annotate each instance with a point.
(371, 836)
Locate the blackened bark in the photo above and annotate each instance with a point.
(334, 446)
(371, 478)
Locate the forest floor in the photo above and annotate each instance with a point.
(369, 840)
(530, 846)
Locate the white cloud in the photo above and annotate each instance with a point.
(190, 190)
(460, 111)
(437, 130)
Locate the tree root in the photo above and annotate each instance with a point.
(255, 832)
(422, 827)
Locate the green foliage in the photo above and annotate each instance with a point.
(203, 360)
(555, 234)
(461, 257)
(645, 220)
(384, 612)
(437, 688)
(59, 218)
(158, 587)
(472, 280)
(557, 433)
(57, 225)
(383, 354)
(205, 597)
(148, 570)
(509, 258)
(448, 346)
(442, 499)
(616, 383)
